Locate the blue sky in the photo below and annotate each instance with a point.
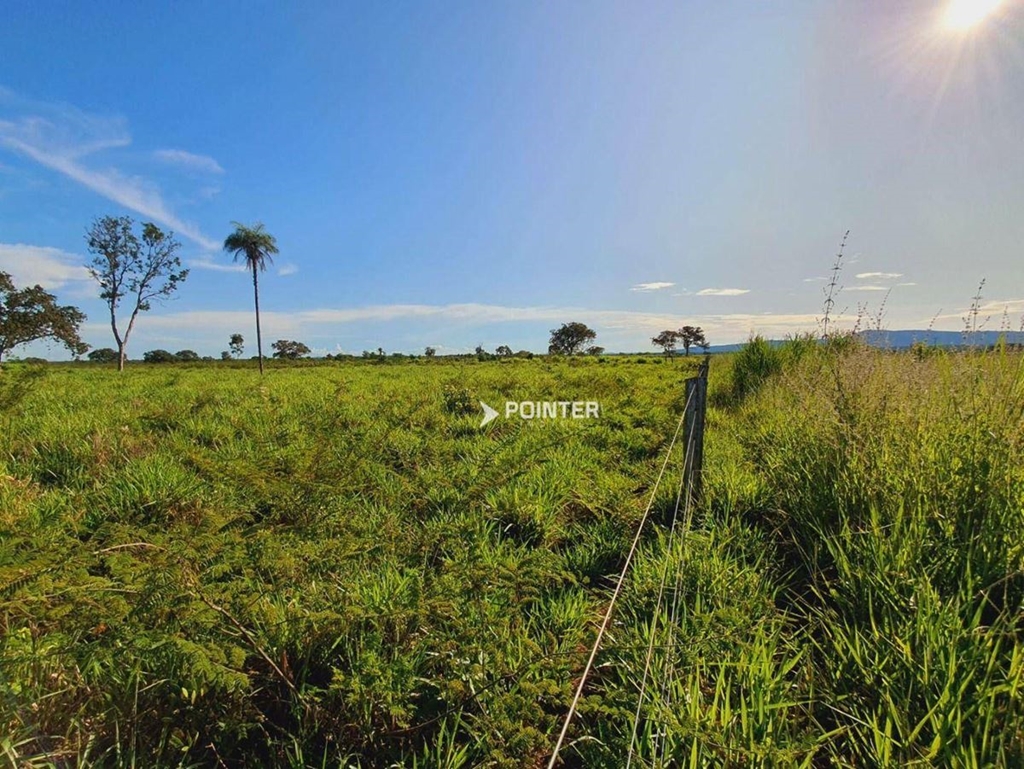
(453, 174)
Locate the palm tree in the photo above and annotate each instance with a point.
(255, 245)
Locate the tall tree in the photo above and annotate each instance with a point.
(570, 339)
(29, 314)
(667, 341)
(236, 344)
(692, 335)
(131, 269)
(256, 247)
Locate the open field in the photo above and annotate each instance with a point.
(334, 565)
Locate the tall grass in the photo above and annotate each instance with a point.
(851, 592)
(898, 497)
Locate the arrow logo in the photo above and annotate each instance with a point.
(489, 414)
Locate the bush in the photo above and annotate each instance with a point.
(754, 364)
(159, 356)
(103, 355)
(458, 400)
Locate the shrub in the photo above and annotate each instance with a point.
(159, 356)
(458, 400)
(754, 364)
(103, 355)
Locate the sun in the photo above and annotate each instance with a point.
(962, 15)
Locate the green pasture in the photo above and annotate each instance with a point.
(334, 565)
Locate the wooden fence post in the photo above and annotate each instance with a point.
(693, 432)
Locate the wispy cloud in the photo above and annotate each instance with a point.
(206, 264)
(866, 288)
(48, 267)
(723, 291)
(60, 137)
(209, 264)
(879, 275)
(317, 324)
(189, 160)
(987, 309)
(656, 286)
(815, 279)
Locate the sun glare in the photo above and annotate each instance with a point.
(962, 15)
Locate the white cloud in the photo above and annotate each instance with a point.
(206, 264)
(988, 309)
(865, 288)
(878, 275)
(910, 283)
(59, 137)
(318, 323)
(209, 264)
(814, 280)
(49, 267)
(656, 286)
(189, 160)
(723, 291)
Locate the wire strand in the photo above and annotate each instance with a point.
(615, 593)
(658, 604)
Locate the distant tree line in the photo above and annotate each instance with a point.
(110, 355)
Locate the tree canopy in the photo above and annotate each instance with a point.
(103, 355)
(159, 356)
(571, 339)
(286, 348)
(30, 314)
(692, 336)
(667, 341)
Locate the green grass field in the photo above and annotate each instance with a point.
(335, 565)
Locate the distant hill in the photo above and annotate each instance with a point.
(899, 340)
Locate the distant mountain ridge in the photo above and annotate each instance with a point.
(900, 340)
